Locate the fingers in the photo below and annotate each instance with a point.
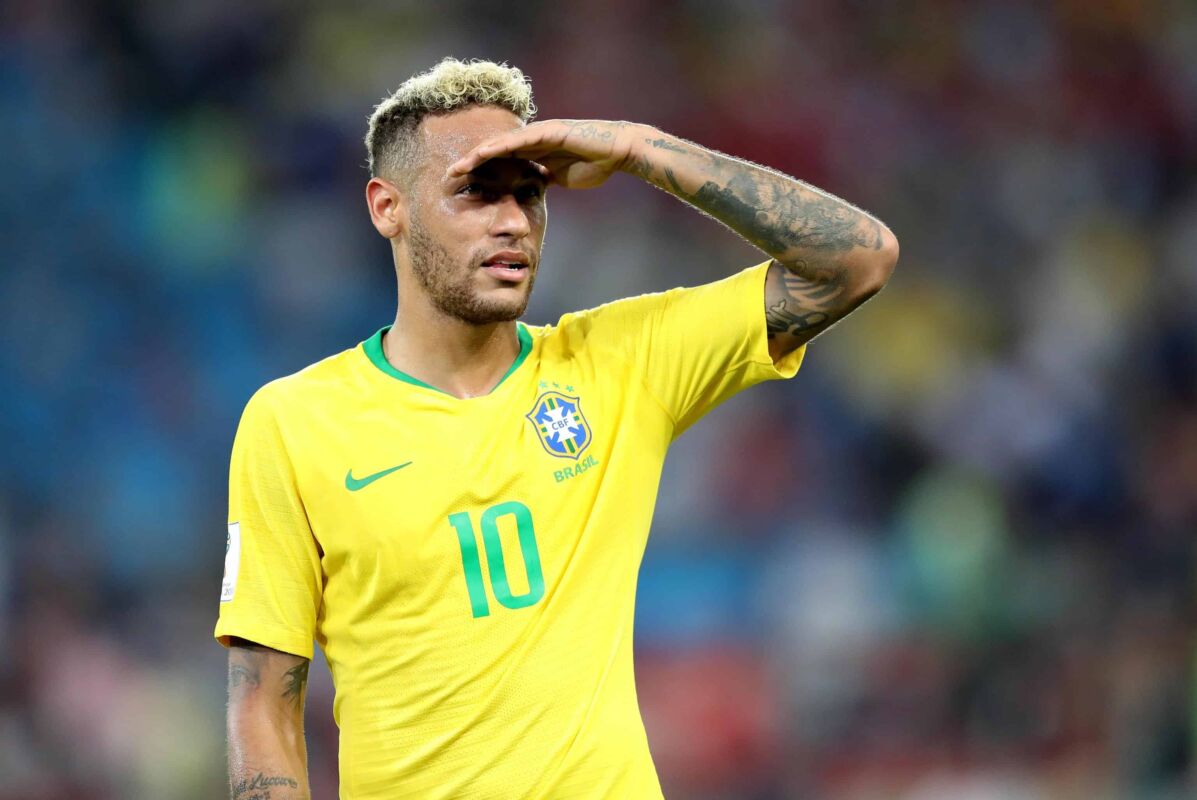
(475, 158)
(535, 140)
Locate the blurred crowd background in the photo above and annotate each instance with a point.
(952, 560)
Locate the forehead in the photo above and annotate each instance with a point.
(448, 137)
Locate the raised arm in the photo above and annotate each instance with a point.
(828, 256)
(267, 754)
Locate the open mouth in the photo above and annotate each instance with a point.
(508, 266)
(504, 272)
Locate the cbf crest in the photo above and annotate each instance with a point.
(560, 424)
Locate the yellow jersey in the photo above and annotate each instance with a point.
(468, 566)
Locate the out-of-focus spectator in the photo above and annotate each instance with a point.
(954, 560)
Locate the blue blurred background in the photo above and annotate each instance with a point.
(953, 559)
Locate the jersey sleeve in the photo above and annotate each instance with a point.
(272, 578)
(696, 347)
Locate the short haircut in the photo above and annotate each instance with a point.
(392, 145)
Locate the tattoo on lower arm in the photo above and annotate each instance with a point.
(665, 144)
(295, 680)
(785, 217)
(641, 167)
(258, 787)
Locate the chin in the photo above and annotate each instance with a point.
(503, 304)
(487, 311)
(506, 312)
(478, 304)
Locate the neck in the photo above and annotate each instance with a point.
(456, 357)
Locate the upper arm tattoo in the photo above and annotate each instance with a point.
(265, 685)
(802, 304)
(295, 682)
(244, 671)
(798, 308)
(253, 667)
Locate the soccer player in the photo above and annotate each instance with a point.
(456, 508)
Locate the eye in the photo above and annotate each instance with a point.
(470, 188)
(529, 193)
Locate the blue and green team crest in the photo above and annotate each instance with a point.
(559, 423)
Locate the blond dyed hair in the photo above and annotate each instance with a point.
(392, 144)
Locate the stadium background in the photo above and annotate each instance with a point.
(953, 559)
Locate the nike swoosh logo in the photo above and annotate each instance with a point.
(353, 484)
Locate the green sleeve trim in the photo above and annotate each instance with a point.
(373, 350)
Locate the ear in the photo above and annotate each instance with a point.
(388, 209)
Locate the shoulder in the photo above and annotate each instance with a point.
(326, 381)
(636, 318)
(623, 315)
(610, 325)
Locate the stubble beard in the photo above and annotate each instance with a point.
(451, 286)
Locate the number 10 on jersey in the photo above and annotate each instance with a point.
(496, 565)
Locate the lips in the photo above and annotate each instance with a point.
(508, 266)
(513, 259)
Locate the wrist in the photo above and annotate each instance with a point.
(640, 158)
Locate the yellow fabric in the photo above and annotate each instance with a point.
(434, 701)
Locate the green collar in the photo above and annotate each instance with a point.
(373, 348)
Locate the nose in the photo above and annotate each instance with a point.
(511, 218)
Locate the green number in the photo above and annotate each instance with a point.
(469, 561)
(526, 533)
(494, 554)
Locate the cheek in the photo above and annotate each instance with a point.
(465, 222)
(539, 218)
(457, 231)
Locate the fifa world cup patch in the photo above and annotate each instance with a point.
(560, 424)
(232, 562)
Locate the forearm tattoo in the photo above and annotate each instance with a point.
(258, 787)
(790, 220)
